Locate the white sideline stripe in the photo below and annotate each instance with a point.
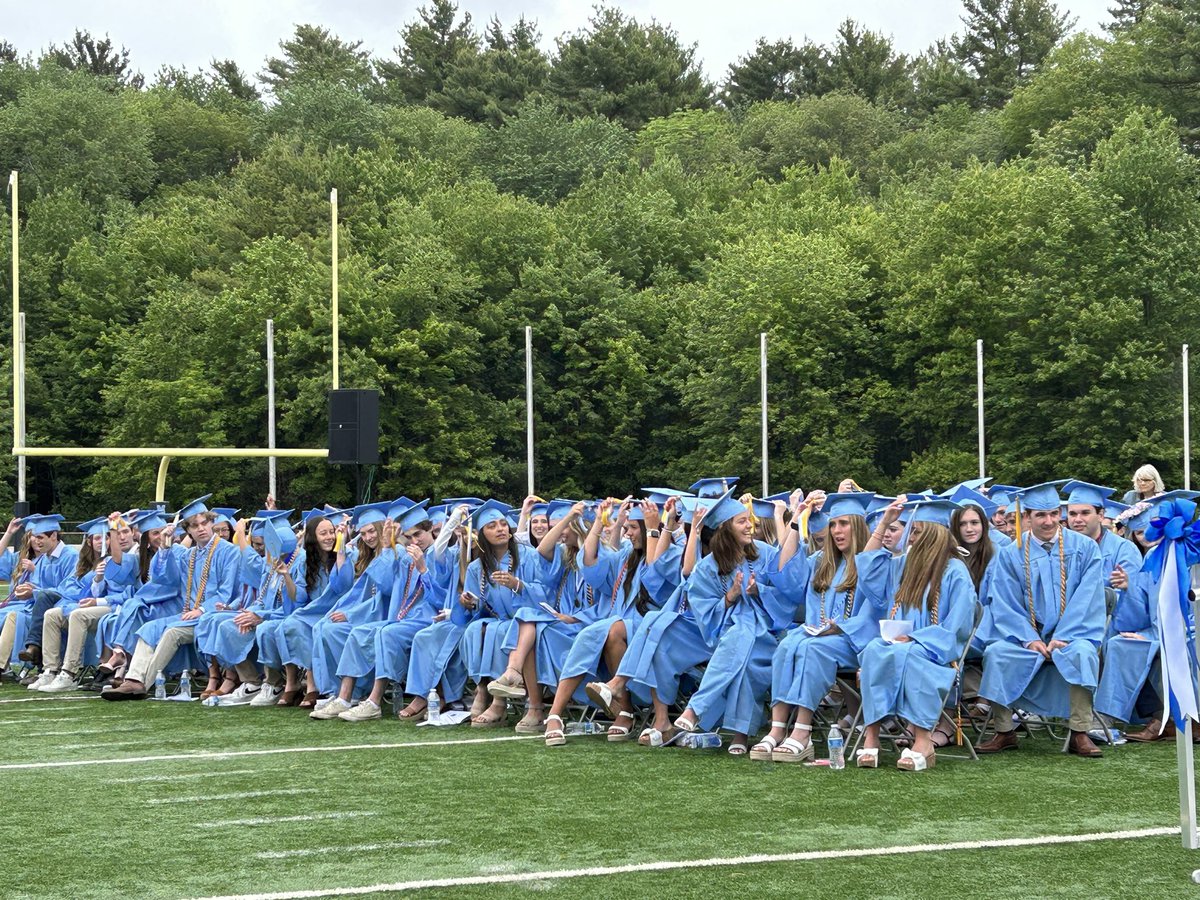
(757, 859)
(271, 820)
(241, 795)
(28, 722)
(232, 754)
(186, 776)
(353, 848)
(105, 746)
(48, 699)
(123, 729)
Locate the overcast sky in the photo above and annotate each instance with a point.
(192, 33)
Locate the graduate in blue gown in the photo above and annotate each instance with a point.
(835, 584)
(1119, 559)
(669, 645)
(1047, 601)
(319, 537)
(503, 577)
(365, 601)
(742, 603)
(382, 648)
(53, 564)
(910, 673)
(538, 642)
(15, 567)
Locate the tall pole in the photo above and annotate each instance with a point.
(979, 404)
(21, 413)
(271, 483)
(18, 400)
(529, 403)
(333, 230)
(1187, 425)
(762, 353)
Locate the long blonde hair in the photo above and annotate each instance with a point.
(831, 557)
(924, 566)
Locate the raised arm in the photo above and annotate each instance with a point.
(554, 535)
(591, 543)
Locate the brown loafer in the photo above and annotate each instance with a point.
(1001, 740)
(1149, 734)
(129, 690)
(31, 654)
(1081, 745)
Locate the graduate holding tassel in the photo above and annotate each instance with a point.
(906, 656)
(1048, 622)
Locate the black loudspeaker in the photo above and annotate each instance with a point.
(354, 427)
(21, 509)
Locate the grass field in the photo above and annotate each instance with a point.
(342, 815)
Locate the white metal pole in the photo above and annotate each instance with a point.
(333, 230)
(18, 400)
(979, 403)
(762, 352)
(529, 403)
(21, 413)
(272, 488)
(1187, 425)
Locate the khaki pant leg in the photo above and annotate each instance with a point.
(139, 663)
(53, 626)
(8, 637)
(1002, 718)
(1081, 708)
(247, 671)
(80, 625)
(172, 640)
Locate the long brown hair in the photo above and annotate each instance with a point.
(727, 548)
(316, 560)
(831, 557)
(924, 566)
(978, 558)
(88, 557)
(367, 553)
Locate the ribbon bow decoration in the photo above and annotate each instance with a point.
(1178, 532)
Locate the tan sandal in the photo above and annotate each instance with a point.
(529, 724)
(618, 734)
(508, 688)
(555, 737)
(867, 758)
(912, 761)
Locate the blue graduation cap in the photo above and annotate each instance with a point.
(369, 514)
(817, 522)
(1113, 508)
(1002, 494)
(938, 511)
(398, 507)
(723, 510)
(1161, 500)
(635, 512)
(538, 509)
(1082, 493)
(488, 512)
(854, 503)
(225, 514)
(309, 514)
(763, 509)
(661, 495)
(973, 484)
(966, 496)
(337, 516)
(438, 514)
(1040, 497)
(39, 524)
(413, 516)
(688, 506)
(278, 537)
(783, 496)
(194, 508)
(455, 502)
(558, 508)
(150, 520)
(1137, 517)
(97, 527)
(713, 487)
(260, 519)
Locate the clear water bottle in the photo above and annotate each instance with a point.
(434, 706)
(837, 749)
(584, 728)
(185, 685)
(160, 686)
(701, 740)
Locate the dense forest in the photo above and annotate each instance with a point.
(1019, 182)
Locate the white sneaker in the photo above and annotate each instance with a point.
(42, 680)
(241, 696)
(62, 682)
(362, 712)
(330, 710)
(267, 696)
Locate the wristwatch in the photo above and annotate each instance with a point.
(654, 532)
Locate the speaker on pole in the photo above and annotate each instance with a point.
(353, 427)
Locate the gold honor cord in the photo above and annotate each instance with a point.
(933, 609)
(612, 603)
(188, 606)
(1062, 588)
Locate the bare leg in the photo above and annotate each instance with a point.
(346, 688)
(290, 674)
(377, 691)
(563, 693)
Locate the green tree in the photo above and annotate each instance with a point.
(490, 86)
(865, 63)
(777, 70)
(312, 55)
(1004, 42)
(626, 71)
(100, 58)
(430, 50)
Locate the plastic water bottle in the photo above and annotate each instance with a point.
(837, 749)
(701, 740)
(185, 686)
(583, 728)
(160, 686)
(434, 707)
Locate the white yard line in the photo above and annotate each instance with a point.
(353, 848)
(48, 699)
(241, 795)
(723, 862)
(234, 754)
(75, 748)
(121, 730)
(188, 776)
(272, 820)
(41, 721)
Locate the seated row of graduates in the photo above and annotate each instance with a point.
(630, 592)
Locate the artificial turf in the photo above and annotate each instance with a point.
(169, 828)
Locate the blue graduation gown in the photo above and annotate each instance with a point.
(742, 637)
(295, 635)
(384, 644)
(217, 635)
(366, 601)
(487, 626)
(222, 581)
(268, 637)
(568, 592)
(160, 596)
(1116, 551)
(804, 668)
(1014, 675)
(1129, 662)
(912, 679)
